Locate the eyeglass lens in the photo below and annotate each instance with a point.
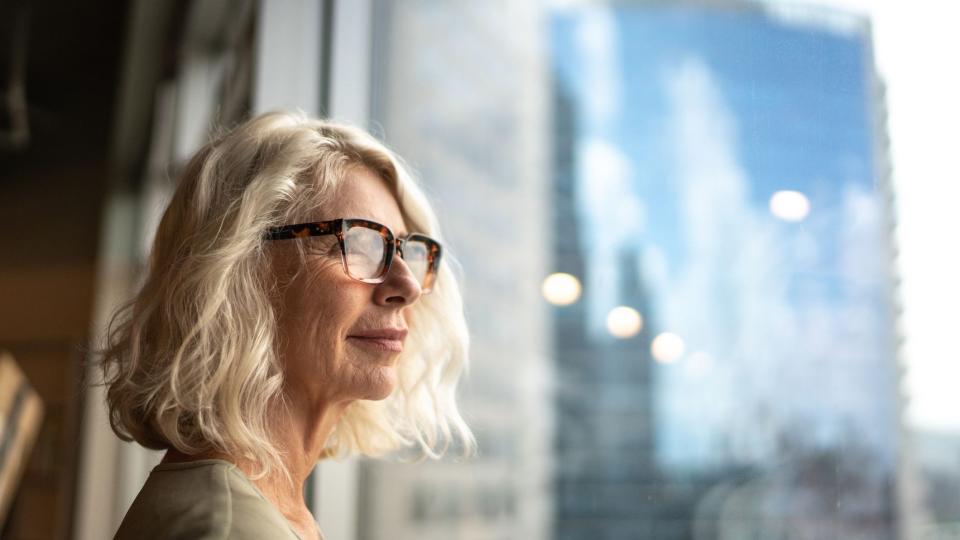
(365, 251)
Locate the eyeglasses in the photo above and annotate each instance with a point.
(367, 248)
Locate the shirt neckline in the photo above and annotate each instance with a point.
(180, 465)
(177, 465)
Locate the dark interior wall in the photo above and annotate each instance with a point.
(51, 199)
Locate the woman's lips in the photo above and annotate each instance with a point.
(378, 344)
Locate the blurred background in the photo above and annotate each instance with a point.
(705, 247)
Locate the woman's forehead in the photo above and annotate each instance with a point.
(364, 194)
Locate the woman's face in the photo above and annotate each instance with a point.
(324, 313)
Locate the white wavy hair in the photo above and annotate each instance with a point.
(191, 361)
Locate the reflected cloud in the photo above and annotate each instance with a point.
(596, 37)
(799, 311)
(719, 290)
(617, 217)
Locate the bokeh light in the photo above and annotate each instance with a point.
(561, 289)
(624, 322)
(790, 205)
(667, 347)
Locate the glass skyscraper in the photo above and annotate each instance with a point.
(721, 166)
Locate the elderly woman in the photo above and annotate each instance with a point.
(298, 305)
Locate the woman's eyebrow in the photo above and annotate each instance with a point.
(399, 233)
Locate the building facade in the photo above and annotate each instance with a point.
(725, 169)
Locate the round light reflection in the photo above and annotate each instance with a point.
(561, 289)
(624, 322)
(790, 205)
(667, 347)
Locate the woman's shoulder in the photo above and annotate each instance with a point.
(202, 499)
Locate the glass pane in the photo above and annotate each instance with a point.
(681, 304)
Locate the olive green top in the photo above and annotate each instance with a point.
(202, 500)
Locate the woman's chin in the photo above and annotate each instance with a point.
(381, 384)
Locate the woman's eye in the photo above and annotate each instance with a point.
(325, 247)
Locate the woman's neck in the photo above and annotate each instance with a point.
(301, 434)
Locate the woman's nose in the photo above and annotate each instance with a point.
(400, 287)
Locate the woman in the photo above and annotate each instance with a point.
(295, 308)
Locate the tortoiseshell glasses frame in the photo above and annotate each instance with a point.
(391, 244)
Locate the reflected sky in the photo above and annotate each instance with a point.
(691, 120)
